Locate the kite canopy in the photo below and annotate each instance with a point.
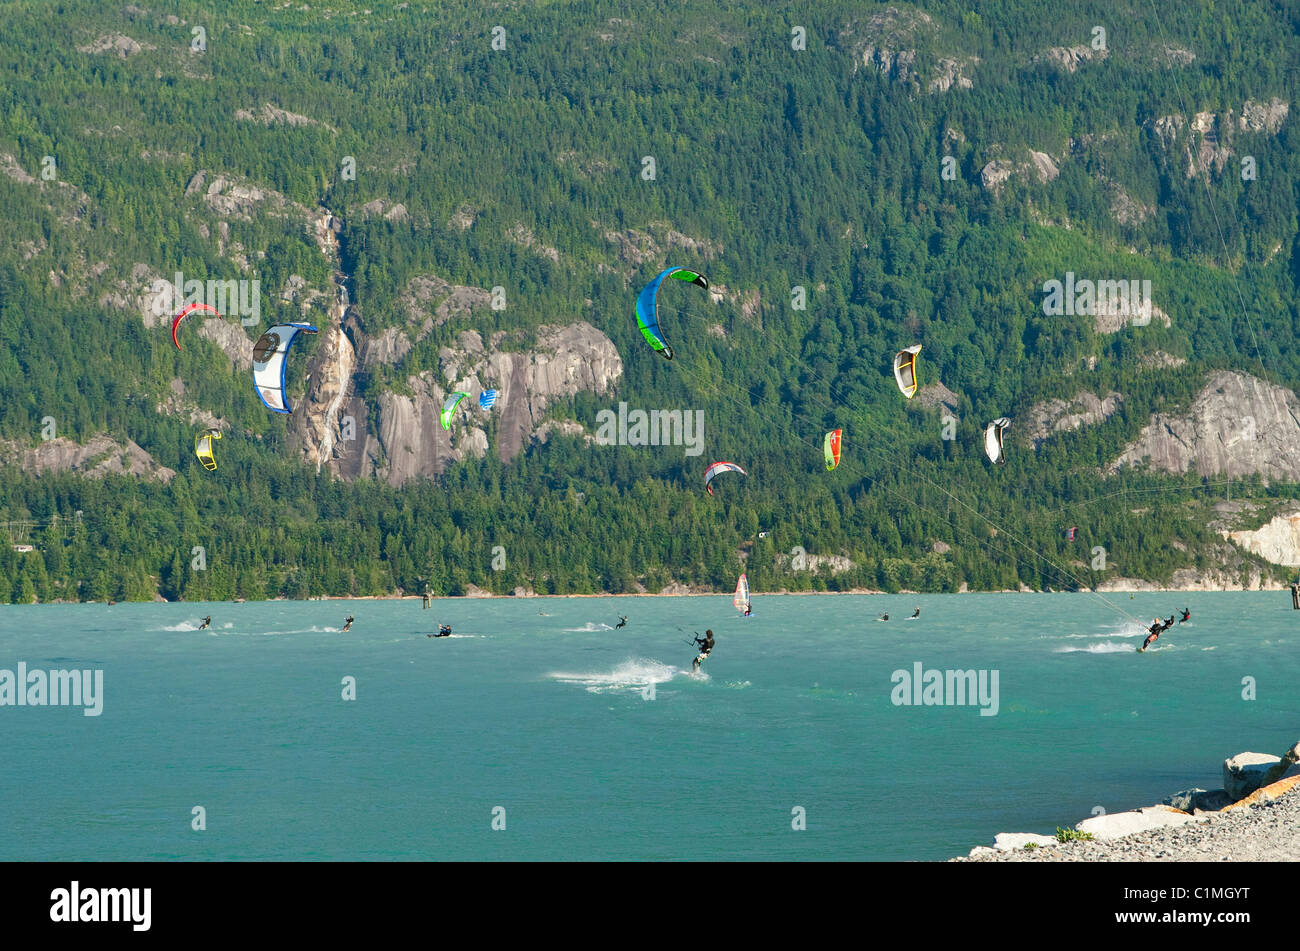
(270, 357)
(449, 407)
(719, 467)
(186, 310)
(203, 448)
(487, 398)
(832, 449)
(993, 439)
(647, 306)
(905, 370)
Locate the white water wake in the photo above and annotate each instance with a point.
(635, 673)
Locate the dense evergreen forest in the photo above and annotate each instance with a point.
(791, 149)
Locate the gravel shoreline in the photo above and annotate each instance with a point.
(1265, 832)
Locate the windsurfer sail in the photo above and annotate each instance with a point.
(741, 597)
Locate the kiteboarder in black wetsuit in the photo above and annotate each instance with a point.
(444, 630)
(1156, 629)
(916, 613)
(706, 645)
(883, 617)
(348, 626)
(206, 621)
(622, 622)
(1186, 616)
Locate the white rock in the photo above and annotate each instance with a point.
(1116, 825)
(1011, 841)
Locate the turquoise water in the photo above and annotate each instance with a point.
(548, 724)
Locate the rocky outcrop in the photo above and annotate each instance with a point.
(813, 563)
(269, 115)
(230, 337)
(9, 166)
(410, 443)
(317, 427)
(1069, 58)
(1263, 117)
(879, 42)
(1059, 416)
(229, 197)
(564, 361)
(431, 301)
(1208, 153)
(96, 458)
(117, 44)
(1227, 571)
(1174, 56)
(1159, 360)
(1208, 147)
(936, 394)
(1039, 167)
(388, 347)
(387, 210)
(177, 403)
(639, 248)
(1277, 541)
(1238, 425)
(463, 218)
(524, 237)
(952, 72)
(1125, 209)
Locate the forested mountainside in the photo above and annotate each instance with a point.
(1084, 213)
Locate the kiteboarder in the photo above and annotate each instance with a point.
(706, 645)
(444, 630)
(916, 613)
(883, 617)
(206, 621)
(348, 626)
(1186, 616)
(622, 622)
(1154, 630)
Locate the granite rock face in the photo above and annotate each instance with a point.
(1237, 426)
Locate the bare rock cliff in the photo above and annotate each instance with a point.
(1059, 416)
(1238, 425)
(1277, 541)
(96, 458)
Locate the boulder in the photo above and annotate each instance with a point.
(1116, 825)
(1267, 793)
(1279, 769)
(1246, 772)
(1192, 800)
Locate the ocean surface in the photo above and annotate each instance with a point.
(538, 732)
